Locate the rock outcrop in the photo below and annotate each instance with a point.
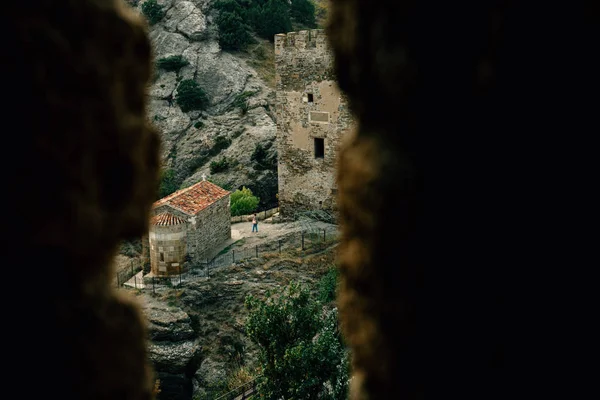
(240, 102)
(173, 349)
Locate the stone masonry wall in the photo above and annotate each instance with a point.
(205, 231)
(309, 106)
(170, 242)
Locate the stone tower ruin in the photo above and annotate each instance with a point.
(312, 118)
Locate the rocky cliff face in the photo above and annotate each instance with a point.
(239, 94)
(174, 348)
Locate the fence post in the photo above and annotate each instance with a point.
(153, 289)
(256, 251)
(131, 267)
(279, 246)
(302, 240)
(233, 256)
(135, 281)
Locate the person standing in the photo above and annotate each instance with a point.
(254, 223)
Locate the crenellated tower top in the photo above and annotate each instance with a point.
(302, 40)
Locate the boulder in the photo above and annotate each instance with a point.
(186, 19)
(167, 323)
(174, 357)
(210, 373)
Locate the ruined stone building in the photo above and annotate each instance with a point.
(312, 119)
(190, 221)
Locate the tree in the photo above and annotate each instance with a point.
(153, 11)
(243, 202)
(190, 96)
(328, 285)
(273, 18)
(262, 159)
(303, 11)
(233, 34)
(301, 351)
(233, 29)
(168, 183)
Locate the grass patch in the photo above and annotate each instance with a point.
(241, 101)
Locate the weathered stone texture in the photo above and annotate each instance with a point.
(206, 230)
(309, 106)
(167, 249)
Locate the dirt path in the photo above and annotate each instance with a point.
(243, 237)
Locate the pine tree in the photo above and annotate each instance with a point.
(303, 11)
(274, 18)
(233, 34)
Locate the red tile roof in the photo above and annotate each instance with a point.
(193, 199)
(166, 219)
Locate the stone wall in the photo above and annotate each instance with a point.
(167, 249)
(205, 231)
(260, 215)
(310, 108)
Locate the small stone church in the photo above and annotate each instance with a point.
(191, 221)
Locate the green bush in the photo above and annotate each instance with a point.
(233, 34)
(242, 98)
(234, 6)
(221, 143)
(266, 17)
(220, 184)
(219, 166)
(261, 158)
(172, 63)
(301, 353)
(243, 202)
(190, 96)
(273, 18)
(236, 134)
(198, 124)
(153, 11)
(199, 159)
(327, 286)
(259, 154)
(168, 183)
(241, 101)
(245, 107)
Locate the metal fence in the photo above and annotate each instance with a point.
(300, 243)
(242, 392)
(126, 274)
(260, 215)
